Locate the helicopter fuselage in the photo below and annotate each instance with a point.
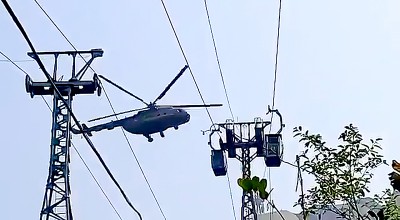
(153, 121)
(145, 122)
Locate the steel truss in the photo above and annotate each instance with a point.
(57, 203)
(243, 136)
(248, 211)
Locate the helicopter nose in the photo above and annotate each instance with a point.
(187, 117)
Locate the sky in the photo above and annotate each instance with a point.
(338, 64)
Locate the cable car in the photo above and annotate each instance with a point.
(273, 151)
(218, 162)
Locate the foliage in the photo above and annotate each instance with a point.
(390, 210)
(255, 184)
(341, 173)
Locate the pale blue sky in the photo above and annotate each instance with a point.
(338, 64)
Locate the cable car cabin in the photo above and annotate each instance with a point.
(273, 151)
(218, 162)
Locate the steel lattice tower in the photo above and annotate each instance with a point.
(239, 135)
(245, 136)
(248, 211)
(56, 202)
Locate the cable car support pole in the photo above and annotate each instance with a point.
(56, 203)
(245, 136)
(55, 89)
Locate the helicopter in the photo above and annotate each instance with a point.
(148, 120)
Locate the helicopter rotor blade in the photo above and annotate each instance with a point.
(120, 113)
(191, 106)
(171, 83)
(124, 90)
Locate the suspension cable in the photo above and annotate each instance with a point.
(226, 95)
(274, 89)
(186, 60)
(230, 193)
(110, 103)
(97, 182)
(217, 57)
(134, 155)
(50, 80)
(276, 66)
(87, 167)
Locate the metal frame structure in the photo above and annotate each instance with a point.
(239, 135)
(56, 202)
(248, 210)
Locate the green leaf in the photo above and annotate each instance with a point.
(246, 184)
(263, 185)
(341, 173)
(263, 195)
(255, 179)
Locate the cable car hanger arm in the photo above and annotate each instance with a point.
(280, 118)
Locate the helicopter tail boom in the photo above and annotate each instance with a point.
(89, 130)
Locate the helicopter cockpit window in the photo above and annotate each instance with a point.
(178, 110)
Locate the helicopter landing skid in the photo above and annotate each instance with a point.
(149, 138)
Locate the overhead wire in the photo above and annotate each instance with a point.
(197, 86)
(110, 103)
(76, 150)
(230, 194)
(97, 182)
(134, 155)
(274, 89)
(226, 95)
(186, 60)
(276, 57)
(26, 73)
(48, 16)
(51, 81)
(217, 57)
(17, 61)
